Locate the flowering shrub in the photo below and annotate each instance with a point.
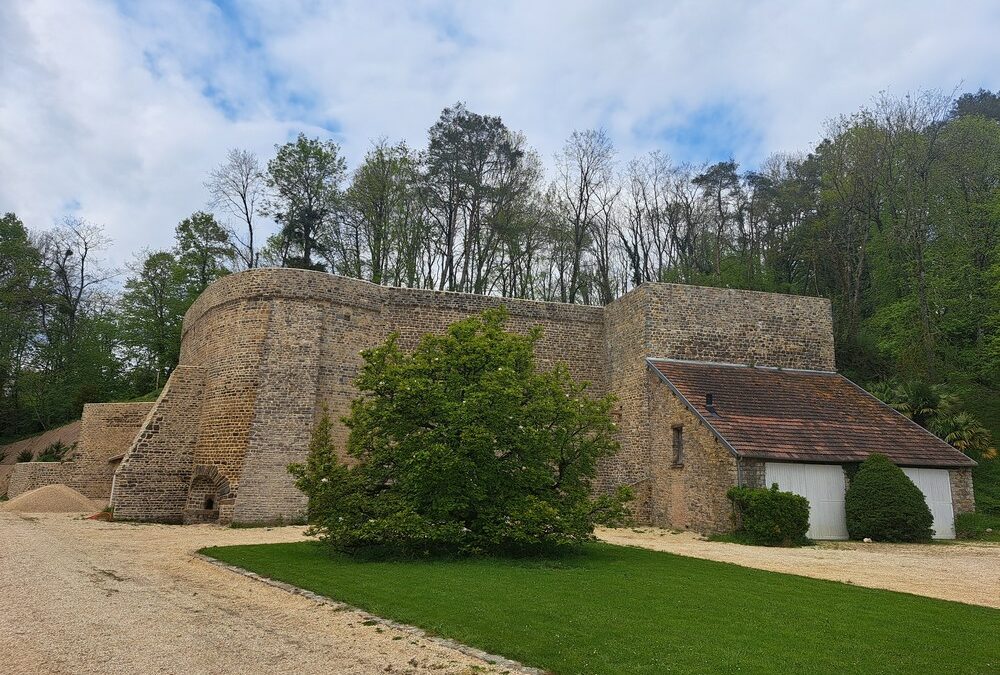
(462, 446)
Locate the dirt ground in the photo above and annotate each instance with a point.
(963, 571)
(80, 596)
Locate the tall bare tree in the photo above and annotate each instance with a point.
(70, 252)
(238, 187)
(585, 170)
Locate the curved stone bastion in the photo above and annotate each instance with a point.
(263, 350)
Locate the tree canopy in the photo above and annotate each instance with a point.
(462, 446)
(894, 216)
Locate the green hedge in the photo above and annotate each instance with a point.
(770, 517)
(884, 504)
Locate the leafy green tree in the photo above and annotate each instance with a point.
(983, 103)
(73, 361)
(151, 312)
(939, 410)
(963, 430)
(477, 173)
(306, 175)
(720, 184)
(383, 230)
(204, 250)
(462, 446)
(24, 291)
(314, 476)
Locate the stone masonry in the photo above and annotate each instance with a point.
(153, 480)
(962, 497)
(690, 494)
(264, 350)
(106, 433)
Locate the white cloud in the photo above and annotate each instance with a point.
(124, 108)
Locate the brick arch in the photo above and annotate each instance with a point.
(210, 473)
(206, 491)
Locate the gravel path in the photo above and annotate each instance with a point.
(80, 596)
(966, 572)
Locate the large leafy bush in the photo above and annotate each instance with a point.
(884, 504)
(462, 446)
(770, 517)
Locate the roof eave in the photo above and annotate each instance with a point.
(844, 459)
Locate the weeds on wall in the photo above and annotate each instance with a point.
(56, 452)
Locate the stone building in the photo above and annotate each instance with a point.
(263, 350)
(99, 441)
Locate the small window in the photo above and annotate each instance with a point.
(678, 445)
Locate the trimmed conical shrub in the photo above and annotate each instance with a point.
(884, 504)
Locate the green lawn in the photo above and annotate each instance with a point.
(627, 610)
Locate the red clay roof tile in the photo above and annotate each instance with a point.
(802, 416)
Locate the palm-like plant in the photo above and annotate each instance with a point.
(937, 409)
(963, 431)
(922, 402)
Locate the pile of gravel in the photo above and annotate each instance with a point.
(49, 499)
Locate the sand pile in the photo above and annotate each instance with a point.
(49, 499)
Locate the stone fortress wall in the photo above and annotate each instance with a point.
(105, 434)
(264, 350)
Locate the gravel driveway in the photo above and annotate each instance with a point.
(80, 596)
(964, 571)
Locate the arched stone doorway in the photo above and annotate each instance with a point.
(208, 490)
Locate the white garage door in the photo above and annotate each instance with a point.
(823, 485)
(936, 487)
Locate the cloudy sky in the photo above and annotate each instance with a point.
(115, 111)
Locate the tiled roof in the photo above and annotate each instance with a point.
(801, 416)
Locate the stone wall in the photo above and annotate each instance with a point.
(108, 429)
(290, 374)
(67, 434)
(692, 494)
(627, 345)
(153, 479)
(28, 476)
(752, 473)
(277, 345)
(273, 346)
(744, 327)
(105, 431)
(962, 496)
